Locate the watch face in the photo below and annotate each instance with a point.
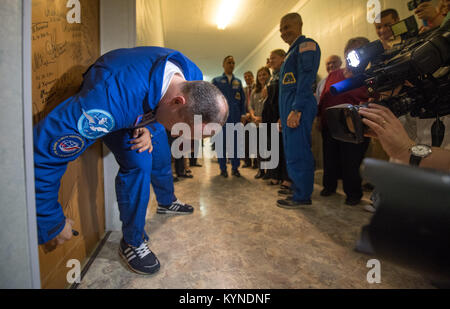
(421, 150)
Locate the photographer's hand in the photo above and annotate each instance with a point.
(389, 130)
(394, 139)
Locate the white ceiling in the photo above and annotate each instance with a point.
(189, 26)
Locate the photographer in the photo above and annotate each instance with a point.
(434, 16)
(341, 159)
(395, 141)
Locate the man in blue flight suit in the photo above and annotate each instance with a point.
(231, 88)
(126, 95)
(298, 108)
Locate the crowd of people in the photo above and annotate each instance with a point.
(258, 102)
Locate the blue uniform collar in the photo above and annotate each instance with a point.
(225, 76)
(298, 41)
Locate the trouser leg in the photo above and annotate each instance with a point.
(132, 185)
(352, 156)
(332, 166)
(247, 159)
(222, 156)
(282, 168)
(179, 166)
(161, 177)
(299, 158)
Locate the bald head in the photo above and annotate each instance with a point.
(295, 17)
(291, 27)
(333, 63)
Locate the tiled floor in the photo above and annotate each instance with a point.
(237, 238)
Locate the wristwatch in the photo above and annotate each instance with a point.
(419, 152)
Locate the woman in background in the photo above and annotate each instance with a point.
(257, 100)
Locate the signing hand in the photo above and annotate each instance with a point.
(142, 140)
(65, 235)
(388, 129)
(293, 120)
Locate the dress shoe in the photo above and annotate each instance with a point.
(285, 192)
(291, 204)
(185, 176)
(267, 176)
(352, 201)
(260, 174)
(326, 192)
(274, 182)
(224, 174)
(236, 173)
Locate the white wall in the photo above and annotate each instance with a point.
(117, 30)
(125, 24)
(149, 23)
(330, 22)
(19, 267)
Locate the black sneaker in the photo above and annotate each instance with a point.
(236, 173)
(140, 260)
(289, 203)
(224, 174)
(326, 192)
(177, 208)
(285, 192)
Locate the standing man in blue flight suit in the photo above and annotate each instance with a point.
(231, 88)
(126, 95)
(298, 108)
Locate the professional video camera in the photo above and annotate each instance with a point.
(412, 5)
(415, 73)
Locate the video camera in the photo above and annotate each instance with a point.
(421, 60)
(412, 5)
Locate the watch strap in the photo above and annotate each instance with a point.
(414, 160)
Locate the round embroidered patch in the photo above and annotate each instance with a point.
(95, 123)
(67, 146)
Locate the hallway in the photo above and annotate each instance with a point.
(238, 239)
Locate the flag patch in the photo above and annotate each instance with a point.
(308, 46)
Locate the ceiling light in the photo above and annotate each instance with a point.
(227, 10)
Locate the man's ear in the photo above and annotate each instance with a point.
(179, 100)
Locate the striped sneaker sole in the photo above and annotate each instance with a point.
(165, 211)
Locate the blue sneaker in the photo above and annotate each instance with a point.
(177, 208)
(140, 259)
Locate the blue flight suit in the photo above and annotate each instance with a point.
(234, 93)
(297, 76)
(117, 90)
